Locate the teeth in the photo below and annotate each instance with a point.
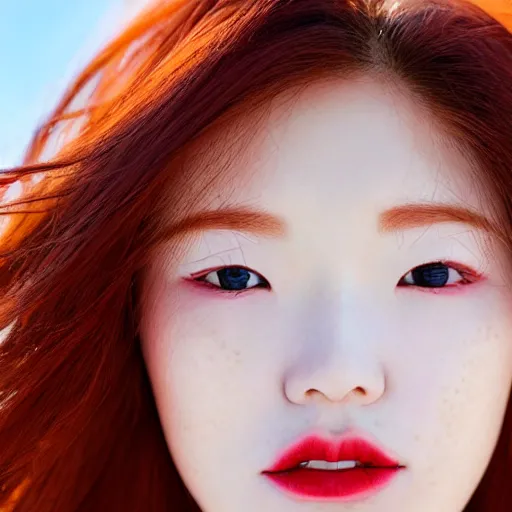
(329, 466)
(347, 464)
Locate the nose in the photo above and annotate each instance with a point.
(327, 372)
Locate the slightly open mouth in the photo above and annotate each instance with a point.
(339, 466)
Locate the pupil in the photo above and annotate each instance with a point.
(233, 278)
(431, 276)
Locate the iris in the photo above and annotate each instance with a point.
(431, 276)
(233, 278)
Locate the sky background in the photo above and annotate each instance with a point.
(43, 43)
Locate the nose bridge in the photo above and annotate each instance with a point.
(337, 359)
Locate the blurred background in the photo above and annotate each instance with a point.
(43, 43)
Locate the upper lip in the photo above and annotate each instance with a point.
(351, 447)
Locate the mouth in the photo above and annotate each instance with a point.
(340, 465)
(344, 469)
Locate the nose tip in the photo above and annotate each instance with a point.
(358, 395)
(361, 386)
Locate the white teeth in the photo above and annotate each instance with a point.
(329, 466)
(346, 464)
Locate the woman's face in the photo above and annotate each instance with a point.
(361, 320)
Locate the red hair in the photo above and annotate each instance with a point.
(79, 430)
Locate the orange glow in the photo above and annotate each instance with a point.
(499, 9)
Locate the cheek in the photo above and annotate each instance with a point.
(454, 387)
(207, 361)
(473, 400)
(204, 358)
(473, 405)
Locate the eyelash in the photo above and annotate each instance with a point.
(200, 279)
(468, 277)
(467, 274)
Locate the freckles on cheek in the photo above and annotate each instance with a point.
(475, 398)
(195, 355)
(216, 338)
(197, 328)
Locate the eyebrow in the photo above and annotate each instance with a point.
(396, 218)
(235, 219)
(408, 216)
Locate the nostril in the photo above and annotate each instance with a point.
(312, 392)
(360, 391)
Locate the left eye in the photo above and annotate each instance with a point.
(234, 279)
(434, 275)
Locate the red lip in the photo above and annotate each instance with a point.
(339, 485)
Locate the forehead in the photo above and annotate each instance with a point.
(354, 144)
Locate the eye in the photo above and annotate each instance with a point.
(439, 275)
(232, 279)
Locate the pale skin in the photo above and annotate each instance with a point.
(335, 342)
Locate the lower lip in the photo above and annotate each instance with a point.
(344, 485)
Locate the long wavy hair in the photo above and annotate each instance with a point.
(79, 430)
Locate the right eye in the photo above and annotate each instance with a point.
(439, 275)
(233, 279)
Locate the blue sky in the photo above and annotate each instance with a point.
(42, 44)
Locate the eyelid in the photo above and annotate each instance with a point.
(228, 258)
(207, 271)
(459, 267)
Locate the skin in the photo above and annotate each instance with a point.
(335, 344)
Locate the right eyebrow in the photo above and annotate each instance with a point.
(236, 219)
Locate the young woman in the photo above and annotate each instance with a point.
(268, 268)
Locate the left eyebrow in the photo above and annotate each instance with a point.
(236, 219)
(408, 216)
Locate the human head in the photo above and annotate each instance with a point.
(76, 280)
